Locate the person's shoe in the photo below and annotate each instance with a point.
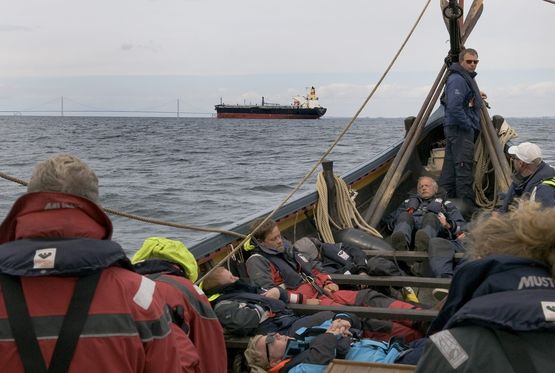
(409, 295)
(440, 294)
(421, 241)
(398, 241)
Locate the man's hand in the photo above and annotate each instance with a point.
(313, 301)
(272, 293)
(340, 327)
(330, 288)
(443, 221)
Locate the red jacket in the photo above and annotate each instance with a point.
(128, 328)
(205, 330)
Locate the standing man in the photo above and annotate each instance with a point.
(462, 102)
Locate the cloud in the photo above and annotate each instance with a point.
(10, 28)
(130, 46)
(126, 46)
(533, 90)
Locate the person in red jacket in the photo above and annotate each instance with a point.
(69, 300)
(174, 268)
(275, 262)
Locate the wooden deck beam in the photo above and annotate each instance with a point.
(405, 256)
(368, 312)
(400, 281)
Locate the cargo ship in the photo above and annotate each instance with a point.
(302, 107)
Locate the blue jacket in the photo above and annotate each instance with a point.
(462, 99)
(544, 193)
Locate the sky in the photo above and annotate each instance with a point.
(150, 54)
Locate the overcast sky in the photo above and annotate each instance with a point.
(139, 55)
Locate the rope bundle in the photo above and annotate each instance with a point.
(348, 214)
(481, 163)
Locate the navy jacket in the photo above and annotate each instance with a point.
(499, 291)
(462, 99)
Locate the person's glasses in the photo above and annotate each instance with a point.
(469, 62)
(270, 338)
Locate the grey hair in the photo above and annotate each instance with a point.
(434, 182)
(64, 173)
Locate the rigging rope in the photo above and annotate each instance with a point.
(348, 214)
(142, 218)
(331, 147)
(319, 162)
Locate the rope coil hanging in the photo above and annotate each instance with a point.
(348, 215)
(482, 162)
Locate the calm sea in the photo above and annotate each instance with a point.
(201, 171)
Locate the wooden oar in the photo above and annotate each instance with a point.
(391, 180)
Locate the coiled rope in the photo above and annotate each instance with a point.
(482, 161)
(348, 214)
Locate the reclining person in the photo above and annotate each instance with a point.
(427, 214)
(313, 348)
(244, 309)
(276, 263)
(336, 258)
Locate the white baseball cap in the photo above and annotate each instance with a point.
(526, 152)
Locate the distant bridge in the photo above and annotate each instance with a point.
(94, 110)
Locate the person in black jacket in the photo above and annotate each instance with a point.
(338, 258)
(499, 315)
(244, 309)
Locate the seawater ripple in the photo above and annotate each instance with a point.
(201, 171)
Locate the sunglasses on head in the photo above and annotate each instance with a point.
(270, 338)
(472, 62)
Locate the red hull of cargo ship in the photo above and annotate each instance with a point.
(265, 116)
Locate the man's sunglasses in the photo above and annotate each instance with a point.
(270, 338)
(472, 62)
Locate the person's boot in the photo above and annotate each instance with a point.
(439, 294)
(398, 241)
(421, 240)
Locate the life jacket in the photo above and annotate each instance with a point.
(550, 182)
(500, 291)
(336, 254)
(293, 266)
(59, 257)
